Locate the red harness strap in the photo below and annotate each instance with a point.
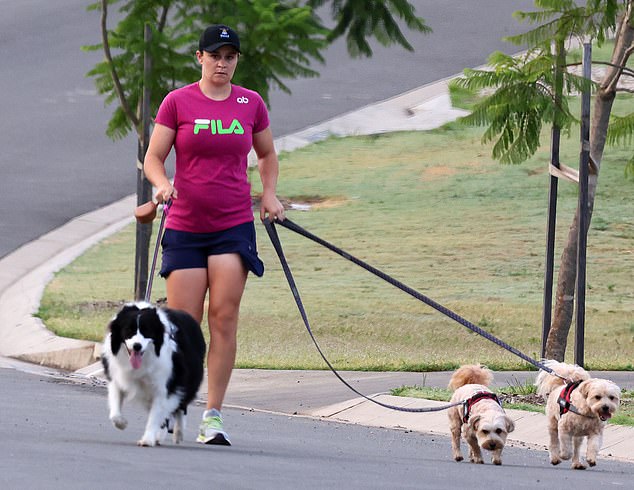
(470, 402)
(564, 397)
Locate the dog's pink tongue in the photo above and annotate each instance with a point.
(135, 359)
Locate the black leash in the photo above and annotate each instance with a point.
(287, 223)
(159, 235)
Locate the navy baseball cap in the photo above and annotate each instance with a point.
(218, 35)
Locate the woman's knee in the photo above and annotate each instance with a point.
(223, 320)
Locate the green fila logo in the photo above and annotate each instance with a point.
(215, 126)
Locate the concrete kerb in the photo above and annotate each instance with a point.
(25, 274)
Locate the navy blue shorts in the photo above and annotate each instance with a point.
(186, 250)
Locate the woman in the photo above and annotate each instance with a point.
(209, 241)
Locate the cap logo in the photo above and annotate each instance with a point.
(224, 33)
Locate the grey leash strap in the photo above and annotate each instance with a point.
(270, 228)
(159, 236)
(287, 223)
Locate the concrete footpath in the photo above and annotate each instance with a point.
(26, 344)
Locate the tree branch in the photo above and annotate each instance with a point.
(628, 53)
(546, 89)
(626, 70)
(115, 78)
(163, 19)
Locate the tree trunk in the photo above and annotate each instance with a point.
(144, 188)
(604, 99)
(143, 232)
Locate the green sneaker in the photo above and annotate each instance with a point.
(211, 429)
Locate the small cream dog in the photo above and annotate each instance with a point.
(481, 419)
(575, 410)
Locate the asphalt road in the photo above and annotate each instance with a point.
(57, 162)
(56, 435)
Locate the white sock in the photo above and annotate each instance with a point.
(212, 412)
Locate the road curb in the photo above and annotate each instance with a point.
(25, 273)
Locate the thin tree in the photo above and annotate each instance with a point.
(525, 98)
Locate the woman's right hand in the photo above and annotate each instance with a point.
(165, 192)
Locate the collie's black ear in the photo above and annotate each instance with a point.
(153, 326)
(117, 324)
(159, 331)
(115, 335)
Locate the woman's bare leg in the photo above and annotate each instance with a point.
(227, 278)
(186, 290)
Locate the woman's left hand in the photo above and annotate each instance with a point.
(271, 207)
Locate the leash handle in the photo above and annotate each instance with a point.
(287, 223)
(159, 235)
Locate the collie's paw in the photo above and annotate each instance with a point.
(147, 443)
(119, 421)
(177, 436)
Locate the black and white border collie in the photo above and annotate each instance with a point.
(155, 355)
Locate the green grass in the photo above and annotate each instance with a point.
(624, 416)
(444, 395)
(431, 209)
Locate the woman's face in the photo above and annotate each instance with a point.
(218, 67)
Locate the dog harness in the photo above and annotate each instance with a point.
(475, 398)
(565, 405)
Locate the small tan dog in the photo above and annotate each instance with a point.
(481, 419)
(575, 410)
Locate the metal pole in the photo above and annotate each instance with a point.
(552, 201)
(550, 240)
(583, 210)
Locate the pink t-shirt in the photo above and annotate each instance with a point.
(213, 139)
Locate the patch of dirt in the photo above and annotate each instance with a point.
(304, 203)
(435, 173)
(531, 398)
(91, 306)
(537, 171)
(92, 383)
(442, 171)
